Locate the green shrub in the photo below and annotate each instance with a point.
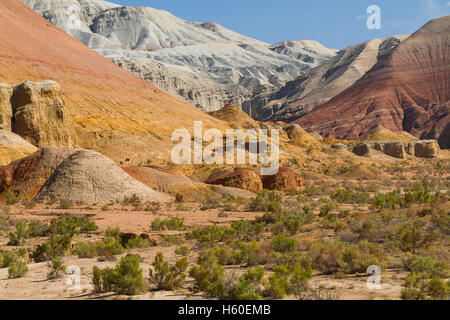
(284, 244)
(346, 196)
(38, 228)
(208, 276)
(126, 278)
(69, 225)
(56, 268)
(412, 235)
(19, 237)
(266, 201)
(248, 253)
(249, 285)
(287, 280)
(325, 211)
(182, 251)
(85, 250)
(423, 286)
(56, 246)
(244, 230)
(11, 198)
(17, 269)
(138, 242)
(206, 234)
(175, 224)
(165, 276)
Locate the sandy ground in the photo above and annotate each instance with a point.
(34, 285)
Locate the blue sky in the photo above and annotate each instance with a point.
(335, 23)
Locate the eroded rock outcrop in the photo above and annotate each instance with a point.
(239, 178)
(39, 114)
(285, 179)
(400, 150)
(89, 177)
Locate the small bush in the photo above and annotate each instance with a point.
(284, 244)
(248, 253)
(423, 286)
(165, 276)
(56, 246)
(174, 224)
(17, 269)
(287, 280)
(38, 228)
(11, 198)
(56, 268)
(208, 276)
(137, 242)
(126, 278)
(19, 237)
(183, 251)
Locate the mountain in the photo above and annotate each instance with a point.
(302, 95)
(203, 63)
(407, 90)
(97, 104)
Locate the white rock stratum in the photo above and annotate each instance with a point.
(202, 63)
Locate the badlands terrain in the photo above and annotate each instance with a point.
(92, 207)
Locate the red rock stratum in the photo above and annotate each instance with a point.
(112, 111)
(416, 73)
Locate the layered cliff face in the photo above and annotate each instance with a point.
(406, 89)
(302, 95)
(202, 63)
(98, 105)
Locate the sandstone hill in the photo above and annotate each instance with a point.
(107, 108)
(302, 95)
(201, 62)
(407, 90)
(379, 133)
(88, 177)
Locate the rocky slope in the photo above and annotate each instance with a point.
(302, 95)
(203, 63)
(107, 108)
(407, 89)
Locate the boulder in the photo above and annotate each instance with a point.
(88, 177)
(426, 149)
(395, 150)
(361, 149)
(39, 114)
(285, 179)
(239, 178)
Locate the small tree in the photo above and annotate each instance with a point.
(166, 276)
(56, 268)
